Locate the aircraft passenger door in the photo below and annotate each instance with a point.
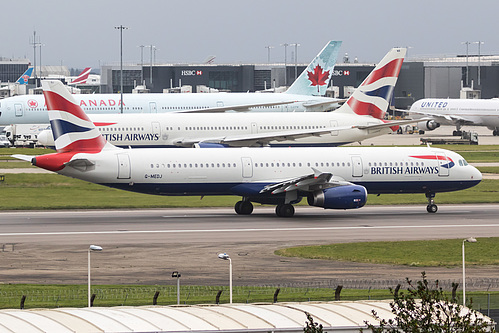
(444, 164)
(18, 109)
(357, 166)
(254, 128)
(156, 129)
(152, 107)
(333, 123)
(247, 167)
(123, 166)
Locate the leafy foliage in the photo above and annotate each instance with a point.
(311, 326)
(424, 308)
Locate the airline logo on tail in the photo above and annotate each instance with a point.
(82, 78)
(315, 78)
(373, 96)
(72, 129)
(23, 79)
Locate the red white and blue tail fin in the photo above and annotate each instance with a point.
(374, 95)
(73, 131)
(82, 78)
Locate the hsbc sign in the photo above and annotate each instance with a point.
(339, 72)
(191, 72)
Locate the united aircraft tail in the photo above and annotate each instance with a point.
(23, 79)
(315, 78)
(82, 78)
(374, 95)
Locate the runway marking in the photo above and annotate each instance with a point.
(64, 233)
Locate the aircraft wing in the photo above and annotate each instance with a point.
(263, 139)
(238, 108)
(333, 101)
(439, 116)
(308, 183)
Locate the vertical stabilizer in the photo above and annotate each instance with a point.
(72, 129)
(373, 96)
(82, 77)
(23, 79)
(315, 78)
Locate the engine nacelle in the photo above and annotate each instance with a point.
(341, 197)
(428, 125)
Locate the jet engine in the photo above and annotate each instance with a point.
(341, 197)
(428, 125)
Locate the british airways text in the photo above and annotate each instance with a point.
(404, 170)
(130, 137)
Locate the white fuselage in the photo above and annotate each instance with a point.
(478, 112)
(245, 171)
(181, 130)
(31, 109)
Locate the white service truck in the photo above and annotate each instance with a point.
(24, 135)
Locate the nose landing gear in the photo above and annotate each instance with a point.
(432, 207)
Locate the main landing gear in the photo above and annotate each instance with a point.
(245, 207)
(431, 208)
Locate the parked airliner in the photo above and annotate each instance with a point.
(334, 178)
(361, 117)
(457, 112)
(305, 94)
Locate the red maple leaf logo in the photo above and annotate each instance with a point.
(32, 103)
(318, 77)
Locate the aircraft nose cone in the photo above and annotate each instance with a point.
(475, 174)
(45, 138)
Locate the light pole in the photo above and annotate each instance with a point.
(296, 58)
(90, 249)
(467, 70)
(268, 53)
(141, 64)
(469, 240)
(152, 47)
(225, 256)
(479, 43)
(285, 62)
(121, 28)
(177, 275)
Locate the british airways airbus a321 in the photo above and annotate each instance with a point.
(305, 94)
(335, 178)
(361, 117)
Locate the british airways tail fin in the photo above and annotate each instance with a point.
(315, 78)
(374, 95)
(23, 79)
(72, 129)
(82, 77)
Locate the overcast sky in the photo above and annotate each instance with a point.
(82, 33)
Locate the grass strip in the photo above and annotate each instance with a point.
(426, 253)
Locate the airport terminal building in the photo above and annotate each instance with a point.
(445, 77)
(449, 77)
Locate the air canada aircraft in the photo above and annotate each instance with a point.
(361, 117)
(457, 112)
(334, 178)
(305, 94)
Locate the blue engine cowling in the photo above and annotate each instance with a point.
(341, 197)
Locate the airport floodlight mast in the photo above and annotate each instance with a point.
(467, 68)
(479, 43)
(268, 52)
(152, 47)
(468, 240)
(91, 249)
(35, 43)
(285, 63)
(296, 58)
(141, 64)
(121, 28)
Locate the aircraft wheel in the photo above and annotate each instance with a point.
(494, 133)
(285, 210)
(431, 208)
(243, 207)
